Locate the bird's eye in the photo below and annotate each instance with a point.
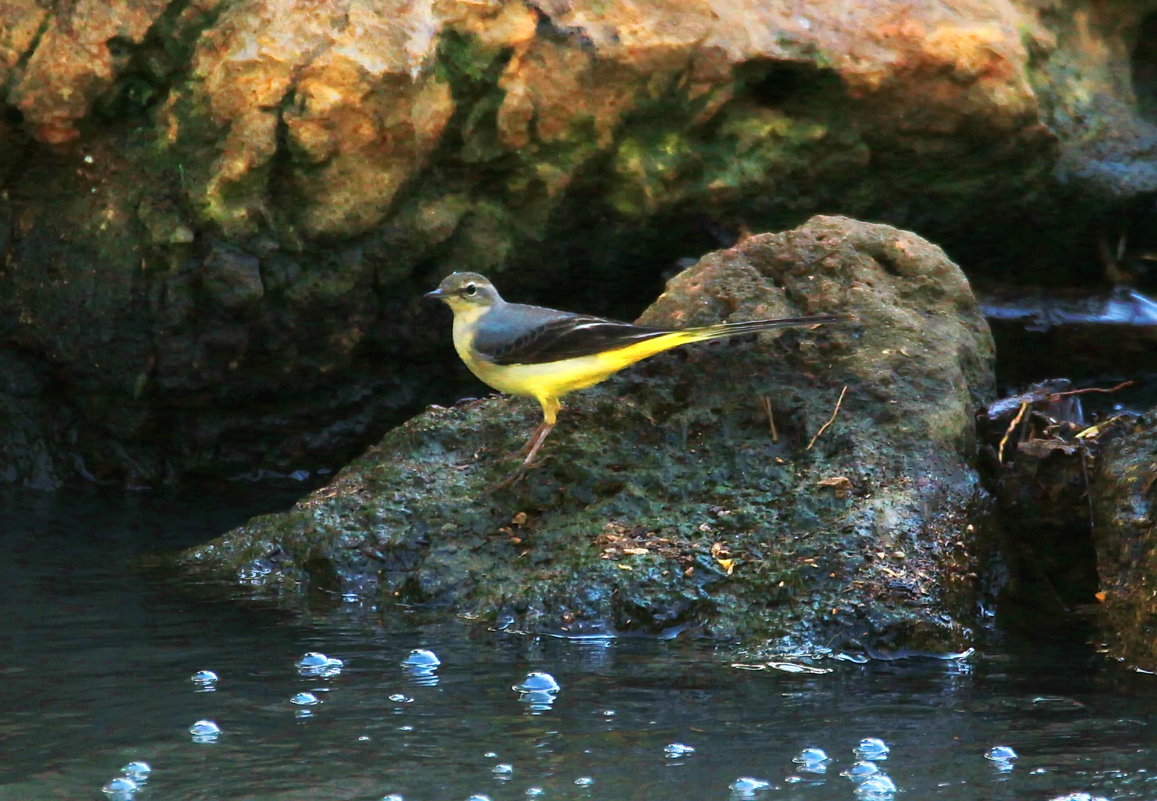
(470, 289)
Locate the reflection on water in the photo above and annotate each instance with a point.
(104, 665)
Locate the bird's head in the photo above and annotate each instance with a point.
(464, 292)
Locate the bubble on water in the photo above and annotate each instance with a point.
(538, 691)
(1002, 757)
(400, 698)
(537, 682)
(137, 771)
(748, 787)
(503, 770)
(677, 750)
(421, 657)
(478, 797)
(811, 754)
(421, 666)
(205, 731)
(315, 663)
(876, 788)
(490, 755)
(305, 699)
(313, 659)
(535, 792)
(812, 760)
(859, 771)
(584, 781)
(122, 788)
(1000, 753)
(872, 748)
(393, 797)
(1079, 797)
(206, 681)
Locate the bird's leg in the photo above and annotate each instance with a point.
(534, 443)
(530, 449)
(550, 407)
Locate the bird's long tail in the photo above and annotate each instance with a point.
(753, 326)
(618, 358)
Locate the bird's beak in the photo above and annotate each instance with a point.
(437, 294)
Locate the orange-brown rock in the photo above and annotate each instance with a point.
(327, 110)
(70, 58)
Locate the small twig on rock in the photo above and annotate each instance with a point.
(766, 401)
(1122, 385)
(831, 419)
(1008, 432)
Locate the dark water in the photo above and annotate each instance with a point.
(97, 659)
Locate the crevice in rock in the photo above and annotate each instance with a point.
(773, 83)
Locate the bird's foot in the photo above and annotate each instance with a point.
(509, 481)
(512, 479)
(528, 464)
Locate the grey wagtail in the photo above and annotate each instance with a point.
(544, 354)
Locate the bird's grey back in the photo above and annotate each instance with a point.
(514, 333)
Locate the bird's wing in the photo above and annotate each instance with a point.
(518, 334)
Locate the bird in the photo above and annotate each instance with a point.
(545, 354)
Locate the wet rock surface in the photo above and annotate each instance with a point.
(1125, 533)
(1072, 471)
(1038, 451)
(665, 502)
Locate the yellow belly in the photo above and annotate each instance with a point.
(555, 379)
(546, 380)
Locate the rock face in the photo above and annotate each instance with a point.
(701, 488)
(1125, 534)
(215, 215)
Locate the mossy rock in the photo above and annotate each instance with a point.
(665, 501)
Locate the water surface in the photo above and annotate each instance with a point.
(98, 659)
